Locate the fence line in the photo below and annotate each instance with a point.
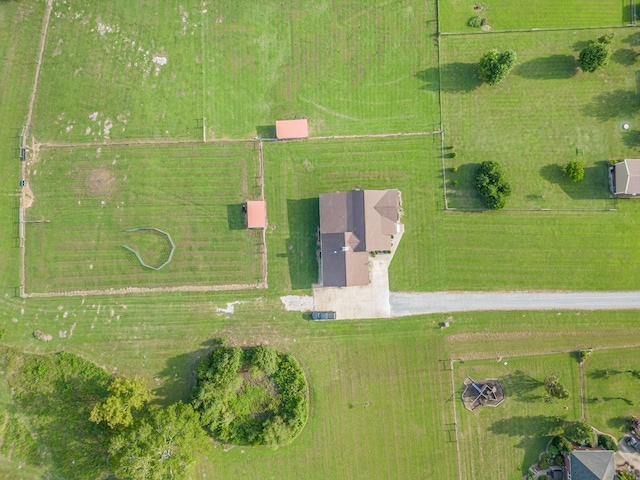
(528, 30)
(632, 11)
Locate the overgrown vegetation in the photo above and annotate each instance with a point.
(491, 185)
(252, 396)
(495, 65)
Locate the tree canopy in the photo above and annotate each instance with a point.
(575, 170)
(581, 433)
(495, 65)
(594, 56)
(126, 395)
(254, 396)
(554, 388)
(491, 185)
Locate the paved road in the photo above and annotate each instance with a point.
(404, 304)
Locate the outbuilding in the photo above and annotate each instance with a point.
(256, 214)
(291, 129)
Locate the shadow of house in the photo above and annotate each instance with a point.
(456, 77)
(266, 131)
(302, 245)
(548, 68)
(236, 216)
(621, 104)
(624, 56)
(595, 184)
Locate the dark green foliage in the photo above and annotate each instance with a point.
(594, 56)
(495, 65)
(491, 185)
(475, 22)
(543, 463)
(454, 169)
(580, 433)
(251, 397)
(608, 38)
(575, 170)
(543, 477)
(562, 444)
(553, 450)
(454, 183)
(160, 445)
(554, 388)
(559, 460)
(19, 443)
(608, 443)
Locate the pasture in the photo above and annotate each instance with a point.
(91, 196)
(508, 15)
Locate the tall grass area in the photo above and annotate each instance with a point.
(92, 196)
(508, 15)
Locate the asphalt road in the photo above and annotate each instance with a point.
(405, 304)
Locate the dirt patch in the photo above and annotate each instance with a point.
(40, 335)
(297, 303)
(100, 182)
(27, 196)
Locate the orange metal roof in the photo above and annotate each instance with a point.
(256, 214)
(292, 128)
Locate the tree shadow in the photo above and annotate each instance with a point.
(581, 45)
(457, 77)
(552, 67)
(603, 373)
(619, 423)
(236, 216)
(624, 56)
(632, 40)
(616, 104)
(266, 131)
(631, 138)
(520, 386)
(594, 186)
(302, 245)
(596, 400)
(180, 372)
(465, 195)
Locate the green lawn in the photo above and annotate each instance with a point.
(509, 15)
(297, 172)
(509, 438)
(543, 115)
(92, 195)
(613, 388)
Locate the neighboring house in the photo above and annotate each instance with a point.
(625, 178)
(289, 129)
(589, 465)
(352, 224)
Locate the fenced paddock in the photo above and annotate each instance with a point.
(92, 196)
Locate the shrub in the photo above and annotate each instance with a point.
(544, 477)
(491, 185)
(543, 464)
(454, 183)
(553, 450)
(595, 56)
(475, 22)
(495, 65)
(562, 444)
(606, 38)
(581, 433)
(453, 155)
(559, 460)
(453, 169)
(606, 442)
(575, 170)
(584, 354)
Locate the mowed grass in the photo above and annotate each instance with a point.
(99, 70)
(92, 195)
(508, 438)
(297, 172)
(545, 114)
(613, 388)
(509, 15)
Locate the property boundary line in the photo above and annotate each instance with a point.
(528, 30)
(264, 230)
(444, 170)
(128, 290)
(455, 417)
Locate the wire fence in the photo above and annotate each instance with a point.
(632, 13)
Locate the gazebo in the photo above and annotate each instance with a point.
(256, 214)
(291, 129)
(487, 393)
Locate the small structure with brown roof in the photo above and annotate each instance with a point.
(291, 129)
(353, 224)
(256, 214)
(625, 178)
(487, 393)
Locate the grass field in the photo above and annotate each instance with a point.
(509, 438)
(508, 15)
(92, 195)
(612, 389)
(531, 137)
(296, 173)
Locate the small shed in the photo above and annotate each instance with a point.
(256, 214)
(289, 129)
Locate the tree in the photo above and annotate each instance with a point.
(562, 444)
(265, 358)
(161, 445)
(608, 443)
(554, 388)
(581, 433)
(125, 396)
(594, 56)
(491, 185)
(575, 170)
(495, 65)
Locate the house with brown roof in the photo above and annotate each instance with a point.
(588, 464)
(353, 224)
(625, 178)
(291, 129)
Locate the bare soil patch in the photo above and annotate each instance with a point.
(100, 182)
(27, 196)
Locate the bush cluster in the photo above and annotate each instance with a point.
(596, 55)
(475, 22)
(491, 185)
(253, 396)
(608, 443)
(495, 65)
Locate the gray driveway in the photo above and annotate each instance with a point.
(405, 304)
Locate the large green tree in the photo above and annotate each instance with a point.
(126, 395)
(554, 388)
(161, 445)
(594, 56)
(581, 433)
(495, 65)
